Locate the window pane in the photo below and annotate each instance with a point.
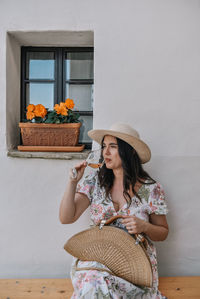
(87, 122)
(79, 65)
(82, 94)
(40, 93)
(40, 65)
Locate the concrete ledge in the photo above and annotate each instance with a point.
(49, 155)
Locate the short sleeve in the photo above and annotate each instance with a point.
(157, 202)
(87, 185)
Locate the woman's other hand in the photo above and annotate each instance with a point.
(133, 224)
(73, 204)
(80, 168)
(156, 229)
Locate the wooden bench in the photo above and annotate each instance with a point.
(172, 287)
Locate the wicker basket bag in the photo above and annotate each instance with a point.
(124, 254)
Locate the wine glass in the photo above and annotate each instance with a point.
(94, 160)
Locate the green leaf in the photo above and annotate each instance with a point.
(38, 119)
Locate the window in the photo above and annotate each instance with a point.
(50, 75)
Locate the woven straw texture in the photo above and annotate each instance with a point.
(42, 134)
(115, 249)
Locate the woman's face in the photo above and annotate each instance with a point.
(110, 152)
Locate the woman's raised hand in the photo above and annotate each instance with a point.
(77, 172)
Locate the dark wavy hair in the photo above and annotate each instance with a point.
(133, 171)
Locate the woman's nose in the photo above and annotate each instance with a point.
(107, 151)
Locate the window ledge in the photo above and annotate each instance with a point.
(49, 155)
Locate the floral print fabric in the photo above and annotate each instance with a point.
(94, 284)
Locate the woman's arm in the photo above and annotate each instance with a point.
(157, 229)
(73, 204)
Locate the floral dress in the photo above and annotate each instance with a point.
(94, 284)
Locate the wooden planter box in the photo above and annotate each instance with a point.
(50, 135)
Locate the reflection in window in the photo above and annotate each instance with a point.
(86, 126)
(82, 95)
(79, 65)
(40, 93)
(40, 65)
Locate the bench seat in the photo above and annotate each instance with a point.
(187, 287)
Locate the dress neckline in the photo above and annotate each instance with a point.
(110, 197)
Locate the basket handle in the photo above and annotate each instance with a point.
(139, 237)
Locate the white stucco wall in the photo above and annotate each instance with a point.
(147, 73)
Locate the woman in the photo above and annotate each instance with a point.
(120, 187)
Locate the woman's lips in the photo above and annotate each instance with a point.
(107, 160)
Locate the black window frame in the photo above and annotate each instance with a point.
(60, 78)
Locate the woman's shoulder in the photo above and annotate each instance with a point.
(152, 197)
(156, 187)
(151, 189)
(156, 199)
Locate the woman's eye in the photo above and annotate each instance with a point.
(110, 146)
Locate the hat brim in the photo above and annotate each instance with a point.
(140, 146)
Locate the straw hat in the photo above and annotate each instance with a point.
(126, 133)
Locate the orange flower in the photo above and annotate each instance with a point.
(30, 115)
(61, 109)
(69, 103)
(40, 111)
(30, 108)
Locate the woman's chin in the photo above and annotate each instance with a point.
(108, 165)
